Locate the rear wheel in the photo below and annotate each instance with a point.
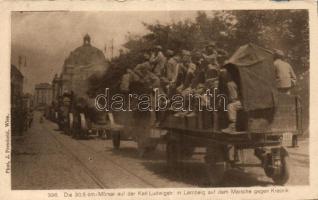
(216, 164)
(172, 154)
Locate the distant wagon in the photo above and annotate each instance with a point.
(75, 112)
(269, 120)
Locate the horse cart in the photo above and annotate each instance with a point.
(84, 120)
(268, 122)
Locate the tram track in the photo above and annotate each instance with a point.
(118, 165)
(89, 172)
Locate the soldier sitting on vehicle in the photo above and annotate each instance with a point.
(190, 68)
(205, 78)
(141, 73)
(170, 73)
(234, 100)
(158, 60)
(185, 88)
(285, 75)
(214, 55)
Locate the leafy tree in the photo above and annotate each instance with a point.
(282, 29)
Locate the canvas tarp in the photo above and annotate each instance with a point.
(257, 76)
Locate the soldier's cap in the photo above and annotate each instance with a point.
(146, 55)
(226, 62)
(197, 55)
(211, 44)
(186, 53)
(169, 52)
(279, 53)
(158, 47)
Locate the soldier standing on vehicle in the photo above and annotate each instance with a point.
(285, 75)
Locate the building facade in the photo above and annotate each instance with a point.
(43, 95)
(17, 118)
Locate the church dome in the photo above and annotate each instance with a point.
(85, 55)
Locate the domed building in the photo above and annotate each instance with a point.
(83, 62)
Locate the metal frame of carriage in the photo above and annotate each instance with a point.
(266, 128)
(222, 149)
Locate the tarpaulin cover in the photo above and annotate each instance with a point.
(257, 76)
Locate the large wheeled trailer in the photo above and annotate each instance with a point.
(268, 122)
(222, 149)
(138, 126)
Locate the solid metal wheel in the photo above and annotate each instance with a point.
(172, 154)
(276, 166)
(281, 174)
(216, 164)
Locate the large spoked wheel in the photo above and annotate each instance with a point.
(116, 139)
(216, 164)
(276, 166)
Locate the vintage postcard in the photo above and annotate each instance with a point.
(158, 100)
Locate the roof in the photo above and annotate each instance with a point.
(85, 55)
(247, 55)
(256, 75)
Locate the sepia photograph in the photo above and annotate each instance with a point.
(188, 100)
(214, 98)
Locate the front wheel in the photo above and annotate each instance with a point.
(276, 166)
(281, 175)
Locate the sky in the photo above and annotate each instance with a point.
(45, 39)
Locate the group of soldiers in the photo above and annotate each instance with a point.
(174, 72)
(194, 72)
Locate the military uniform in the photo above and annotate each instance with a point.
(285, 76)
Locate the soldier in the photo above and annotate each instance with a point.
(171, 72)
(235, 101)
(213, 56)
(185, 88)
(285, 75)
(158, 60)
(190, 68)
(146, 73)
(141, 73)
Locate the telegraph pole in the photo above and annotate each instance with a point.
(112, 49)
